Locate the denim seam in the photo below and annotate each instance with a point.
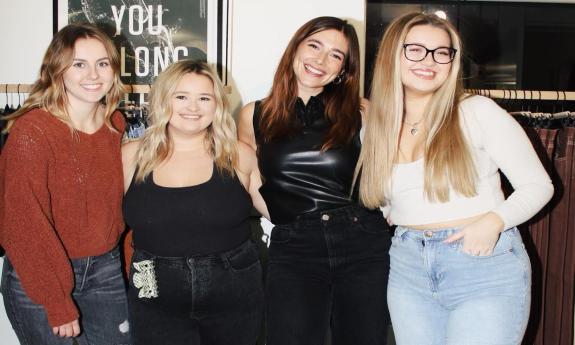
(88, 264)
(16, 318)
(526, 293)
(332, 264)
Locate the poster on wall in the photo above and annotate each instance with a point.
(152, 34)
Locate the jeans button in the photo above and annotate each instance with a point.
(325, 217)
(428, 233)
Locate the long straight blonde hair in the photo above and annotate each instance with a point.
(156, 146)
(49, 92)
(447, 158)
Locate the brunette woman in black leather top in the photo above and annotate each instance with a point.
(328, 257)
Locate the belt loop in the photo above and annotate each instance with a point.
(355, 214)
(225, 261)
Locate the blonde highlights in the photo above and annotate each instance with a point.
(156, 146)
(49, 92)
(447, 158)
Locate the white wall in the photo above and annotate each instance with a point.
(261, 30)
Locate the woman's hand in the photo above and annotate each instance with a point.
(70, 329)
(481, 236)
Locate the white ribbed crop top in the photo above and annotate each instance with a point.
(497, 142)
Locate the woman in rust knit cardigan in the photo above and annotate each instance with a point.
(61, 186)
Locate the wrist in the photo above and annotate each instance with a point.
(496, 219)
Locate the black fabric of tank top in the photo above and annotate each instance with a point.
(186, 221)
(297, 177)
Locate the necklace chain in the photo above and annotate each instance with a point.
(414, 130)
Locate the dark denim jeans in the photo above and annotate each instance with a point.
(100, 295)
(329, 270)
(212, 299)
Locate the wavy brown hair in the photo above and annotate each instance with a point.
(49, 93)
(341, 101)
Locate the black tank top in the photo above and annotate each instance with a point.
(297, 177)
(185, 221)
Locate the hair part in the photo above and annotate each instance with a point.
(156, 145)
(49, 92)
(447, 158)
(341, 101)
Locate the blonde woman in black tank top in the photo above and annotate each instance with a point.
(195, 276)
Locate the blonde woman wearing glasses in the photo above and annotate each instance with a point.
(431, 156)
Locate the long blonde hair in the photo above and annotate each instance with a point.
(447, 158)
(156, 146)
(49, 93)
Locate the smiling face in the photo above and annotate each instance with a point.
(319, 59)
(424, 77)
(91, 75)
(193, 105)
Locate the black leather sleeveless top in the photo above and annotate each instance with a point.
(185, 221)
(297, 177)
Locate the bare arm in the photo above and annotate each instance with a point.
(250, 176)
(364, 109)
(245, 125)
(129, 150)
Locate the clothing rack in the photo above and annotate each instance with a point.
(530, 95)
(25, 88)
(143, 89)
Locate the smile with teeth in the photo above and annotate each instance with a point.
(92, 87)
(424, 73)
(314, 70)
(191, 116)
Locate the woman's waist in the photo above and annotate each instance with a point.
(447, 224)
(349, 213)
(416, 211)
(212, 256)
(169, 242)
(88, 244)
(287, 205)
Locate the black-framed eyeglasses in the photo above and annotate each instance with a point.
(417, 52)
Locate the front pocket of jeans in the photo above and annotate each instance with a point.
(503, 246)
(280, 234)
(245, 259)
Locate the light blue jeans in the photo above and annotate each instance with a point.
(439, 295)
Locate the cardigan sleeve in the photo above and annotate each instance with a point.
(510, 149)
(27, 229)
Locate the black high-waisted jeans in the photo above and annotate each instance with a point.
(329, 269)
(212, 299)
